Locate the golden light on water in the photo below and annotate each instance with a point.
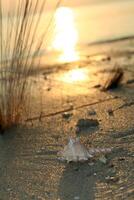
(66, 35)
(75, 75)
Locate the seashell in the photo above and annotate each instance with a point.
(94, 151)
(74, 151)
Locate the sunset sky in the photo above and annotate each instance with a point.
(73, 2)
(69, 3)
(83, 2)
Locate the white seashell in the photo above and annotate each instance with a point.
(74, 151)
(94, 151)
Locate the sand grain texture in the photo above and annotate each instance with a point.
(29, 168)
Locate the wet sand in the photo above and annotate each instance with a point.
(29, 168)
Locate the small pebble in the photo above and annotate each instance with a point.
(108, 58)
(103, 159)
(111, 165)
(9, 189)
(110, 112)
(121, 159)
(66, 115)
(45, 77)
(48, 89)
(91, 112)
(112, 179)
(97, 86)
(76, 198)
(91, 164)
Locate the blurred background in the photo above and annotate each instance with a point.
(79, 23)
(83, 22)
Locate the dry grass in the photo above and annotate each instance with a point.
(19, 44)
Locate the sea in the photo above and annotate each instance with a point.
(78, 24)
(85, 22)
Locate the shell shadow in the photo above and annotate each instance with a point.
(77, 182)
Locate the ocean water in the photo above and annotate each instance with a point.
(80, 23)
(86, 22)
(105, 21)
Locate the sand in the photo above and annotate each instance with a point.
(29, 168)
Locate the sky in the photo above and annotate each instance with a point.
(10, 5)
(70, 3)
(84, 2)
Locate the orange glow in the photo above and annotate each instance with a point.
(75, 75)
(66, 36)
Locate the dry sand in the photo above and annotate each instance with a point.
(29, 168)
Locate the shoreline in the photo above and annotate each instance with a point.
(113, 40)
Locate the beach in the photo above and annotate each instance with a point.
(29, 165)
(81, 86)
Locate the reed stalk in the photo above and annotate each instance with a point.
(19, 45)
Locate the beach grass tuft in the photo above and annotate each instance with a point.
(19, 46)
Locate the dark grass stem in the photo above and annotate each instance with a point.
(19, 48)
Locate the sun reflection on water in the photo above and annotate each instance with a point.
(75, 76)
(66, 35)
